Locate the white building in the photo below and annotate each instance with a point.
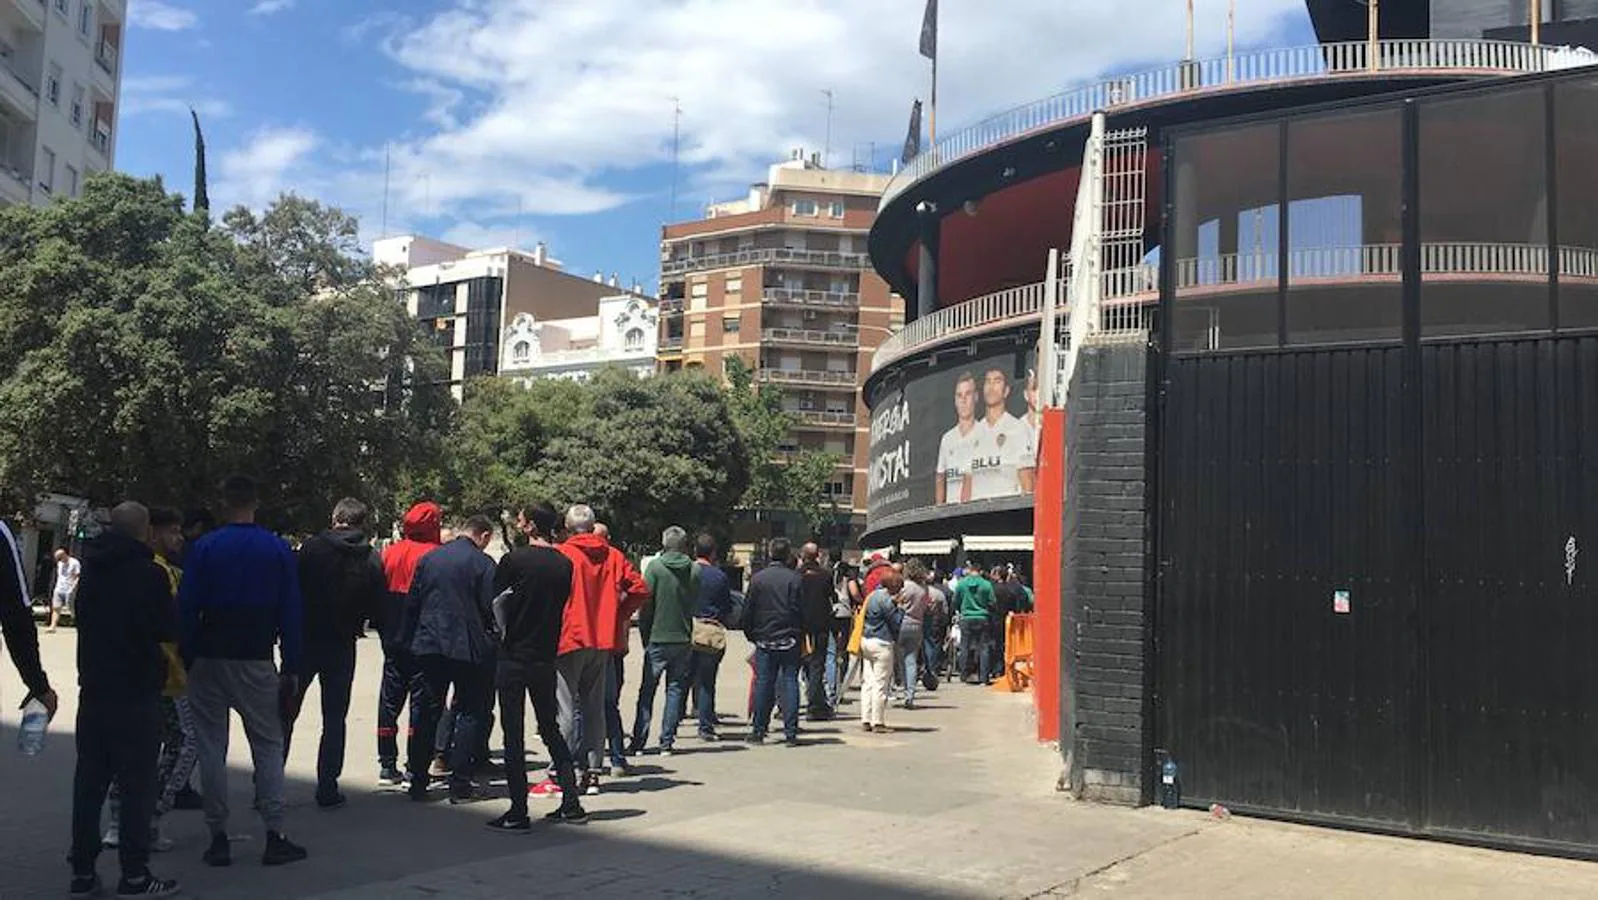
(624, 333)
(60, 83)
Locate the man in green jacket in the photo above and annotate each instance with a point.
(673, 581)
(974, 597)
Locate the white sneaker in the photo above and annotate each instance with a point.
(112, 839)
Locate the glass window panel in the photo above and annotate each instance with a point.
(1576, 178)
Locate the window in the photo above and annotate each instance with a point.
(77, 106)
(697, 330)
(837, 209)
(86, 18)
(804, 207)
(521, 351)
(72, 181)
(729, 325)
(52, 86)
(47, 170)
(701, 289)
(735, 285)
(61, 8)
(634, 339)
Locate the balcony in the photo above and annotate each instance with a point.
(777, 296)
(105, 56)
(818, 259)
(841, 340)
(809, 377)
(14, 187)
(18, 97)
(823, 418)
(671, 342)
(100, 138)
(31, 11)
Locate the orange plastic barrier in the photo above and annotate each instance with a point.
(1017, 654)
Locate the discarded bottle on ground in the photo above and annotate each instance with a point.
(35, 719)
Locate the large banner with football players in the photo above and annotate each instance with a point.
(963, 431)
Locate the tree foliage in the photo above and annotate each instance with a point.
(146, 354)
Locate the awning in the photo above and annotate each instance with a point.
(884, 552)
(928, 548)
(990, 543)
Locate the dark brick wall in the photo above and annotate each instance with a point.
(1104, 714)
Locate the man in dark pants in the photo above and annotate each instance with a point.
(342, 584)
(532, 585)
(421, 533)
(974, 600)
(446, 629)
(125, 615)
(714, 605)
(776, 626)
(1008, 597)
(816, 596)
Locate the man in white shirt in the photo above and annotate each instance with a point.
(951, 483)
(1004, 463)
(67, 570)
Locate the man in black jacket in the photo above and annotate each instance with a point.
(816, 596)
(776, 625)
(532, 585)
(447, 614)
(125, 615)
(16, 623)
(342, 583)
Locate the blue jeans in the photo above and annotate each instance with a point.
(776, 675)
(674, 662)
(705, 667)
(909, 648)
(933, 651)
(616, 738)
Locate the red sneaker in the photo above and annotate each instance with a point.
(546, 788)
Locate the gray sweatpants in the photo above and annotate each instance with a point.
(251, 688)
(580, 691)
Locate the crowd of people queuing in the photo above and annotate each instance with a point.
(165, 655)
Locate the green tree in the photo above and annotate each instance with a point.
(779, 481)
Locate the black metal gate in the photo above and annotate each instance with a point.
(1380, 614)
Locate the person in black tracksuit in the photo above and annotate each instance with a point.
(342, 583)
(816, 595)
(531, 587)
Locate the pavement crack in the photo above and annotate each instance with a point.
(1068, 888)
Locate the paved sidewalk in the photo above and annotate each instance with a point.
(958, 803)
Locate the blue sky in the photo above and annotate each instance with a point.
(513, 121)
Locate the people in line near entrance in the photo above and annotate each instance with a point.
(1005, 598)
(17, 628)
(420, 534)
(446, 630)
(816, 597)
(776, 627)
(951, 481)
(1025, 602)
(846, 599)
(673, 581)
(125, 617)
(713, 607)
(913, 600)
(973, 595)
(936, 627)
(884, 616)
(240, 596)
(343, 585)
(67, 572)
(606, 591)
(616, 740)
(1003, 463)
(876, 567)
(532, 586)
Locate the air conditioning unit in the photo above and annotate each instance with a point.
(811, 315)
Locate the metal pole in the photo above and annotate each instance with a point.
(676, 151)
(1536, 22)
(1231, 39)
(1189, 56)
(1375, 26)
(1047, 369)
(826, 152)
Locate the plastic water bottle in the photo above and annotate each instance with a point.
(1170, 787)
(35, 719)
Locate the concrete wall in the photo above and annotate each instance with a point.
(1104, 705)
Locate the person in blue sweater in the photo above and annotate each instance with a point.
(239, 598)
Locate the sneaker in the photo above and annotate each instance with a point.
(439, 769)
(866, 727)
(84, 885)
(390, 777)
(568, 812)
(465, 793)
(188, 799)
(548, 788)
(665, 750)
(883, 729)
(281, 851)
(146, 886)
(220, 853)
(511, 823)
(159, 843)
(756, 739)
(791, 742)
(619, 768)
(591, 784)
(112, 839)
(709, 737)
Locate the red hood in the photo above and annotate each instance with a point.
(592, 546)
(423, 523)
(606, 591)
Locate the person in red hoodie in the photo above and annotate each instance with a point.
(422, 534)
(606, 591)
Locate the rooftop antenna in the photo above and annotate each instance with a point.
(383, 232)
(676, 151)
(826, 153)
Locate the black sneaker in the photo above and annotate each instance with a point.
(147, 886)
(466, 793)
(188, 799)
(84, 885)
(568, 812)
(220, 853)
(281, 851)
(756, 739)
(333, 800)
(511, 823)
(790, 742)
(390, 777)
(709, 737)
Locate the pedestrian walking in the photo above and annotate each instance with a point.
(532, 585)
(343, 586)
(913, 600)
(124, 617)
(446, 630)
(776, 627)
(713, 610)
(420, 535)
(673, 582)
(816, 597)
(239, 597)
(67, 572)
(973, 596)
(883, 618)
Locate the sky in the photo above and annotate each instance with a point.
(508, 122)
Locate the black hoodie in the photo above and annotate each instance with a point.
(342, 582)
(124, 615)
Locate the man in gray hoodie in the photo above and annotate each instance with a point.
(673, 581)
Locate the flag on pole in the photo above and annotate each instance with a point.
(929, 31)
(912, 141)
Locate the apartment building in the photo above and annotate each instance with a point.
(781, 279)
(469, 298)
(622, 334)
(60, 83)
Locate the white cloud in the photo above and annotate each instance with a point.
(145, 94)
(158, 15)
(268, 7)
(270, 162)
(471, 233)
